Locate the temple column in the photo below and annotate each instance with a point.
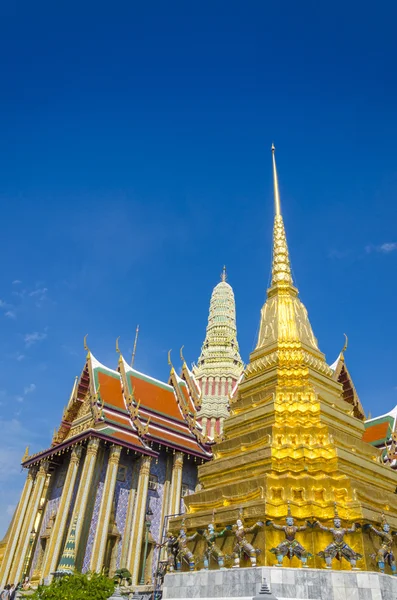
(176, 484)
(212, 430)
(16, 527)
(31, 514)
(135, 545)
(129, 516)
(217, 385)
(221, 424)
(102, 530)
(85, 488)
(165, 508)
(53, 551)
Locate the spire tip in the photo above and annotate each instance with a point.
(224, 274)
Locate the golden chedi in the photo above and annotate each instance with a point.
(294, 436)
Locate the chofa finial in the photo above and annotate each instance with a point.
(134, 348)
(117, 345)
(86, 348)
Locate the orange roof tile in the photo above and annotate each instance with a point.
(378, 432)
(155, 397)
(110, 390)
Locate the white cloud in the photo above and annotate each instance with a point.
(19, 357)
(29, 389)
(10, 314)
(388, 247)
(384, 248)
(39, 292)
(32, 338)
(16, 282)
(19, 399)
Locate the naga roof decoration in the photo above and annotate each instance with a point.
(129, 408)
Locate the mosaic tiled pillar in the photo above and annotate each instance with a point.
(16, 527)
(31, 514)
(129, 517)
(165, 509)
(135, 545)
(50, 562)
(102, 530)
(85, 488)
(176, 484)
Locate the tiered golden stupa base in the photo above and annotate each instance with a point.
(294, 448)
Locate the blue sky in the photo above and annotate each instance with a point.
(135, 161)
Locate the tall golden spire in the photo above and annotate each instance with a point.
(284, 323)
(281, 268)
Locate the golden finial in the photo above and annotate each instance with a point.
(213, 515)
(277, 205)
(181, 354)
(86, 348)
(117, 345)
(26, 454)
(336, 514)
(135, 343)
(224, 274)
(281, 268)
(289, 514)
(169, 359)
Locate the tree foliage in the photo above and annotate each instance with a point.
(78, 586)
(121, 574)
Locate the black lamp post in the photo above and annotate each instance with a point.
(148, 520)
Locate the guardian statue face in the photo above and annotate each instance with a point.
(239, 523)
(211, 528)
(182, 532)
(386, 527)
(289, 521)
(337, 523)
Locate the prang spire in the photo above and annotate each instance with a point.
(281, 268)
(219, 366)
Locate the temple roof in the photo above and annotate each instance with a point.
(349, 394)
(378, 430)
(130, 408)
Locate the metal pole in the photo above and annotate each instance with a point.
(142, 581)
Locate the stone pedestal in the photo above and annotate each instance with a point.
(284, 583)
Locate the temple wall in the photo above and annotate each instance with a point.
(121, 495)
(50, 508)
(189, 478)
(156, 500)
(101, 468)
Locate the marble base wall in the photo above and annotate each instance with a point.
(285, 584)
